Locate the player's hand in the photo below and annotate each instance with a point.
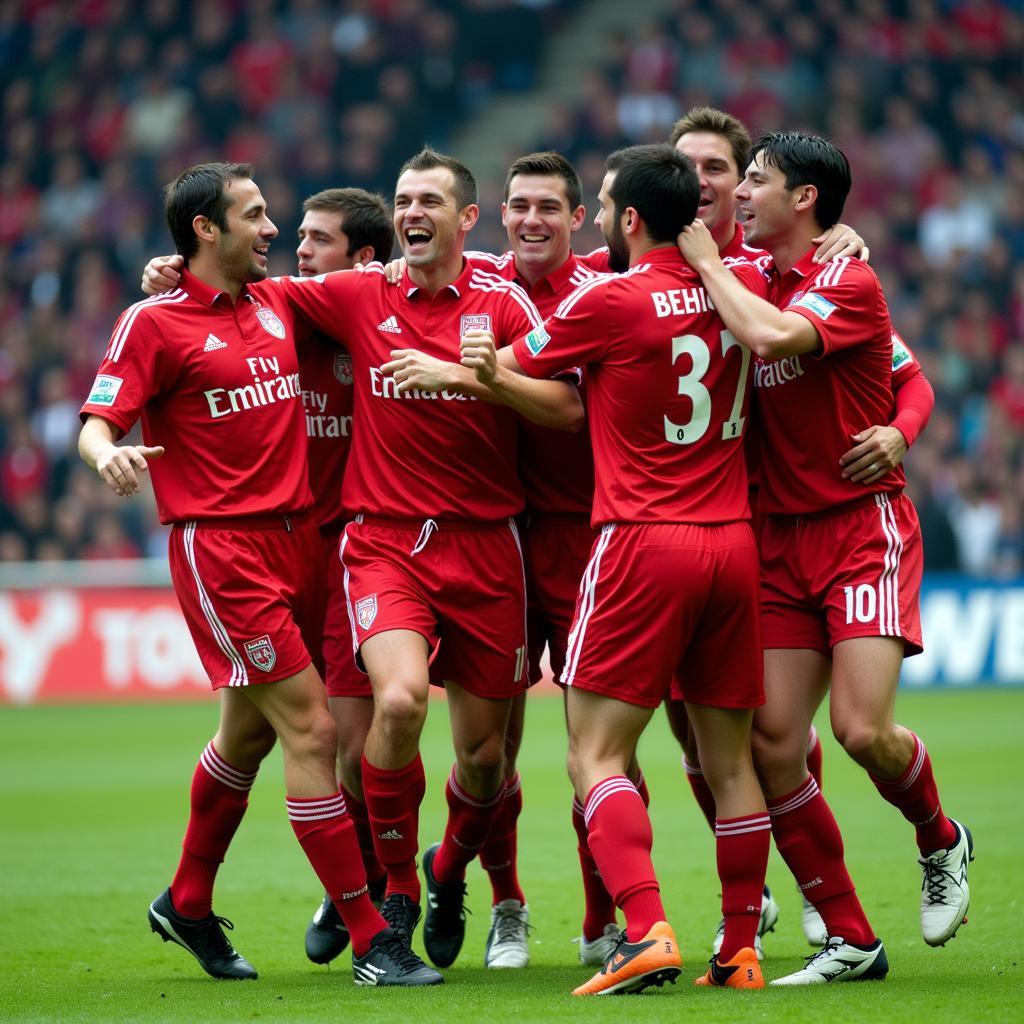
(162, 274)
(480, 355)
(394, 270)
(839, 240)
(415, 370)
(876, 452)
(121, 467)
(696, 244)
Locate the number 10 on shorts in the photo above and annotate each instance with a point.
(861, 603)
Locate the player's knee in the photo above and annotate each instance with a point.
(484, 759)
(400, 710)
(861, 740)
(773, 754)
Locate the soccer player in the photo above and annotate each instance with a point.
(841, 569)
(719, 146)
(542, 209)
(432, 554)
(340, 228)
(672, 581)
(211, 369)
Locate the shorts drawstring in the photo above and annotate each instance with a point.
(429, 526)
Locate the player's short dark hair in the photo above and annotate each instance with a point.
(660, 183)
(200, 191)
(809, 160)
(716, 122)
(553, 165)
(365, 218)
(465, 184)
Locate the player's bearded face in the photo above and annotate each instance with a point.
(244, 245)
(618, 251)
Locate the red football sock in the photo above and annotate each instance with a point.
(498, 854)
(220, 795)
(741, 848)
(599, 907)
(814, 755)
(393, 798)
(620, 839)
(361, 820)
(916, 796)
(469, 822)
(701, 792)
(808, 838)
(328, 838)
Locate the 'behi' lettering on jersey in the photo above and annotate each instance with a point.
(382, 386)
(681, 302)
(268, 387)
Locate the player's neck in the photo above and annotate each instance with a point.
(531, 273)
(724, 233)
(640, 249)
(438, 275)
(788, 250)
(204, 267)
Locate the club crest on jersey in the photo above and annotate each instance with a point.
(261, 653)
(475, 322)
(343, 367)
(271, 322)
(366, 611)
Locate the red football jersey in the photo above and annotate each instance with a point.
(420, 454)
(555, 466)
(810, 405)
(325, 370)
(217, 384)
(667, 392)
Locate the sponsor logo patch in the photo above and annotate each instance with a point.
(343, 367)
(817, 304)
(474, 322)
(366, 611)
(537, 339)
(261, 653)
(900, 352)
(105, 389)
(270, 321)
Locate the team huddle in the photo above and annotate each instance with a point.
(673, 464)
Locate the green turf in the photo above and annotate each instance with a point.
(94, 802)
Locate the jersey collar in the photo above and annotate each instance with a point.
(804, 267)
(458, 287)
(556, 281)
(198, 289)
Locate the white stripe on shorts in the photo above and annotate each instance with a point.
(588, 586)
(239, 674)
(889, 582)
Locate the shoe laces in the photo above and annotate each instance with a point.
(509, 925)
(399, 953)
(832, 943)
(934, 884)
(401, 914)
(451, 904)
(214, 938)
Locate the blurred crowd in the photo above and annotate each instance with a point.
(103, 101)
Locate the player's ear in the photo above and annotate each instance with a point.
(364, 254)
(204, 228)
(578, 218)
(807, 196)
(469, 216)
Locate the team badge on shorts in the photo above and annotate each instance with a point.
(270, 321)
(261, 652)
(343, 367)
(366, 611)
(475, 322)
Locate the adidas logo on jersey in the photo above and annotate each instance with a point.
(390, 326)
(213, 342)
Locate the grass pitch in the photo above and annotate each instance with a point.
(94, 803)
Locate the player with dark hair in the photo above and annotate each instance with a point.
(840, 568)
(340, 228)
(245, 553)
(432, 552)
(719, 146)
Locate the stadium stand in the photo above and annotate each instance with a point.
(102, 104)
